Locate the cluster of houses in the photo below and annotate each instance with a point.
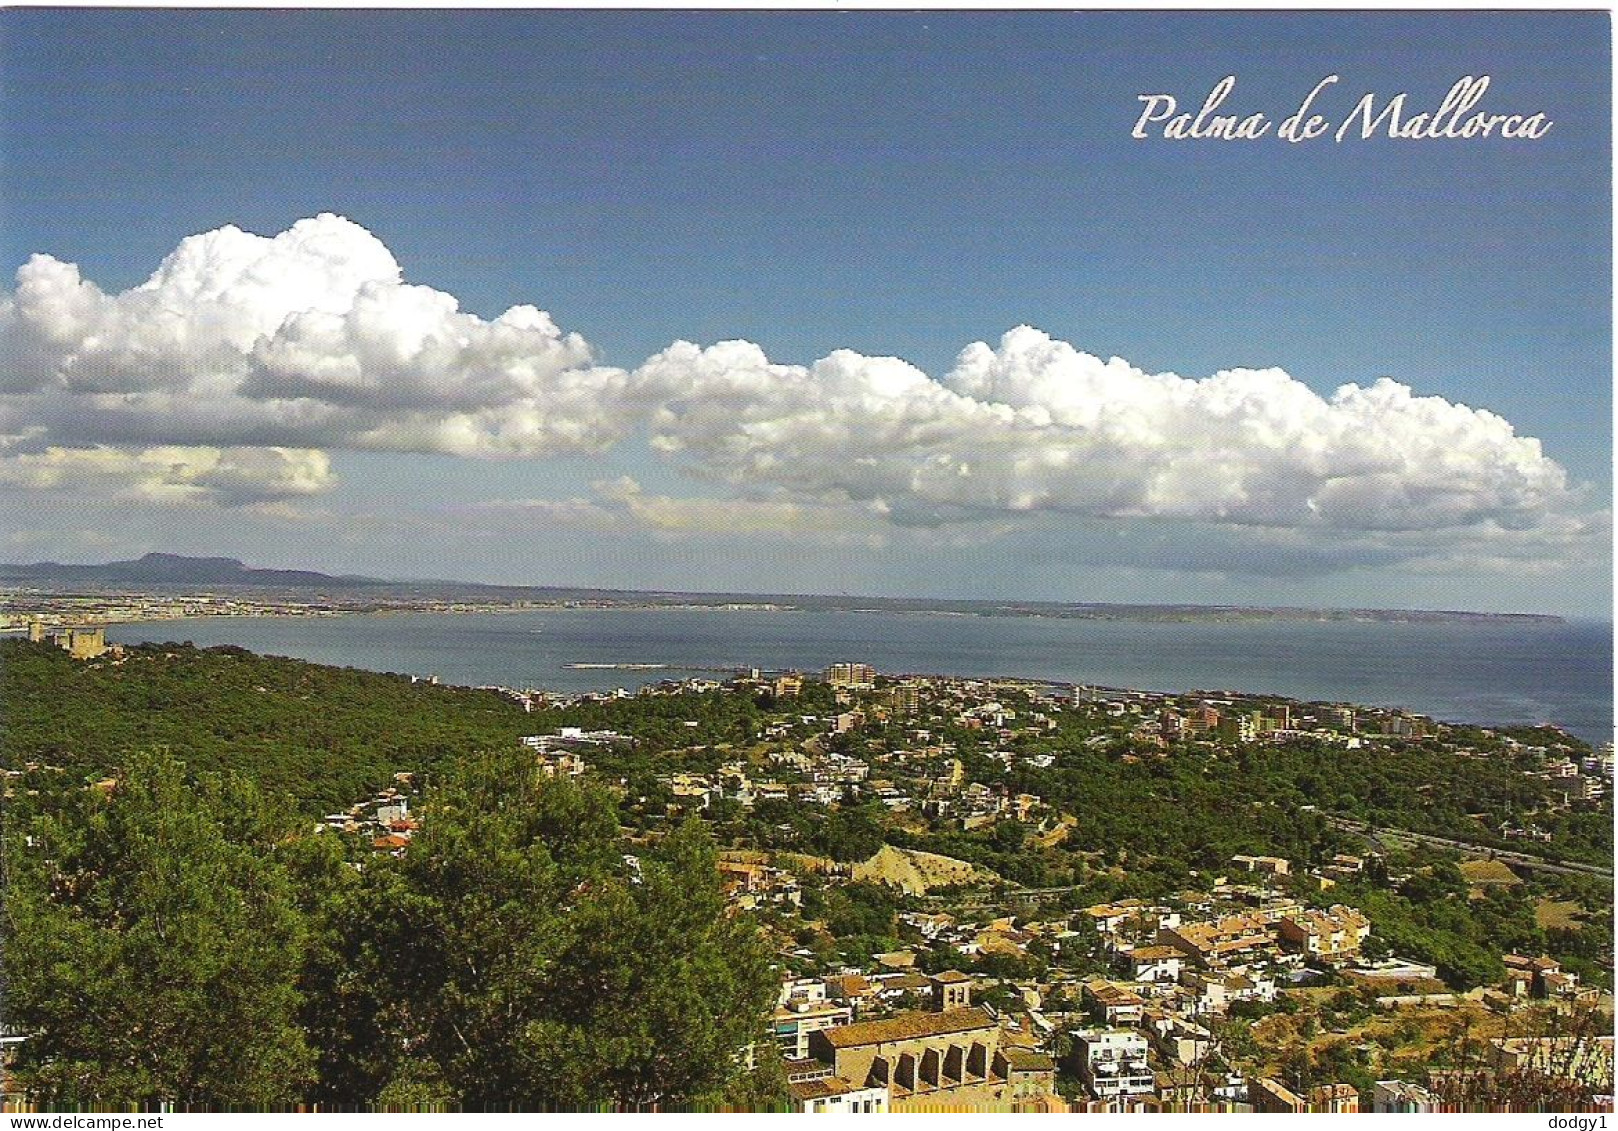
(893, 1038)
(1141, 1040)
(1181, 966)
(1541, 977)
(752, 884)
(821, 777)
(1582, 779)
(923, 776)
(1576, 777)
(12, 777)
(385, 818)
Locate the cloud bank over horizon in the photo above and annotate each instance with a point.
(228, 375)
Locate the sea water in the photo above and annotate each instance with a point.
(1488, 672)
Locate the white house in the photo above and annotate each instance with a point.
(1112, 1063)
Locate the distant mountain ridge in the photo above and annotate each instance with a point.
(177, 569)
(159, 569)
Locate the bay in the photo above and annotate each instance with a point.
(1493, 673)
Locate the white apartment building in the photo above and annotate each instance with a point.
(1112, 1063)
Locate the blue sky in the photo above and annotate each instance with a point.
(895, 184)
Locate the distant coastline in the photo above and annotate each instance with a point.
(81, 607)
(173, 587)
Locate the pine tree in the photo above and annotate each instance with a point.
(152, 943)
(518, 959)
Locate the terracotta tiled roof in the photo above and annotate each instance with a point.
(819, 1089)
(804, 1068)
(1026, 1060)
(909, 1027)
(1327, 1092)
(848, 985)
(1109, 994)
(1277, 1091)
(908, 981)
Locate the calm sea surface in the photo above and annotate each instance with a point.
(1460, 672)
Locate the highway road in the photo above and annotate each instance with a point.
(1515, 859)
(1384, 835)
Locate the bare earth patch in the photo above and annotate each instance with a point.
(915, 872)
(1558, 913)
(1489, 872)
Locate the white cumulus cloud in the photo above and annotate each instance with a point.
(257, 353)
(1037, 425)
(171, 473)
(306, 339)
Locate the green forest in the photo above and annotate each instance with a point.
(322, 737)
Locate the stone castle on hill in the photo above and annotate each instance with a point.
(83, 643)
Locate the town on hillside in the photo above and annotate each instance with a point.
(1013, 896)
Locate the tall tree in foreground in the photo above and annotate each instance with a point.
(517, 958)
(152, 946)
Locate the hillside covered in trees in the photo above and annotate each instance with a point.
(319, 735)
